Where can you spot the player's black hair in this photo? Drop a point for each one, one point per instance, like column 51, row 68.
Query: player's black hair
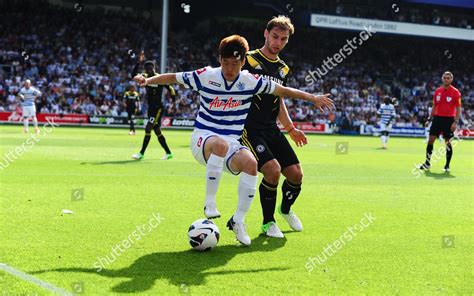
column 233, row 46
column 149, row 64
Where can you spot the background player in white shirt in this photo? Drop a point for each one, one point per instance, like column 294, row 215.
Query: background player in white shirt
column 387, row 114
column 28, row 95
column 225, row 98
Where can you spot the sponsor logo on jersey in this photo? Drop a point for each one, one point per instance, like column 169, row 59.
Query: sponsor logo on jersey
column 214, row 83
column 229, row 104
column 279, row 81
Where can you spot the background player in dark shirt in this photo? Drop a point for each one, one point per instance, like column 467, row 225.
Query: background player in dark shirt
column 272, row 150
column 153, row 96
column 132, row 101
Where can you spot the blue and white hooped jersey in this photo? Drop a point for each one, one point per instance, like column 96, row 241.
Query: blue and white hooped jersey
column 29, row 96
column 387, row 113
column 224, row 107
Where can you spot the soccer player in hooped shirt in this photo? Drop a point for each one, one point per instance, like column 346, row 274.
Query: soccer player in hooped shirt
column 225, row 97
column 387, row 114
column 28, row 95
column 444, row 118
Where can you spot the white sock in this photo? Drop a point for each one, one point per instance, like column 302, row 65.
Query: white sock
column 386, row 139
column 25, row 124
column 247, row 189
column 214, row 167
column 35, row 122
column 383, row 139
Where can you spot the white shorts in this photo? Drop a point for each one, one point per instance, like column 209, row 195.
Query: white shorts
column 198, row 140
column 385, row 127
column 28, row 111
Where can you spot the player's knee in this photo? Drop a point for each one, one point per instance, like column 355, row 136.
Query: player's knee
column 431, row 140
column 271, row 172
column 250, row 166
column 295, row 174
column 220, row 148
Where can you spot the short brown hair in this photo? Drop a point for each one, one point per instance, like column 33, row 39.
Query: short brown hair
column 282, row 22
column 233, row 46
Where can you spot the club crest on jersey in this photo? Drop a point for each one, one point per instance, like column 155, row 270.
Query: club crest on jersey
column 241, row 85
column 282, row 73
column 229, row 104
column 260, row 148
column 448, row 99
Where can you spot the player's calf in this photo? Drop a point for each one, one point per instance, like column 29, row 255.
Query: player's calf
column 268, row 194
column 243, row 161
column 215, row 149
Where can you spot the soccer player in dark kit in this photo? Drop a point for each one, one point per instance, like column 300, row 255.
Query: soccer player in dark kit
column 153, row 96
column 274, row 154
column 132, row 102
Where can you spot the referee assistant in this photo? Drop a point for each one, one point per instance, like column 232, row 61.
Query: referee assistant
column 445, row 116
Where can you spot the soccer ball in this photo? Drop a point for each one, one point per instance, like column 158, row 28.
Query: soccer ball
column 203, row 235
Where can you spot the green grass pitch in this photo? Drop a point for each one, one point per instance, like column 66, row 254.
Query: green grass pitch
column 419, row 241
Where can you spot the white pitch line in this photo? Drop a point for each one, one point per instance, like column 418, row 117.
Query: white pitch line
column 32, row 279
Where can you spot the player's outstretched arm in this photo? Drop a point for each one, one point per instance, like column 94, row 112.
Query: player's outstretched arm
column 321, row 101
column 167, row 78
column 296, row 135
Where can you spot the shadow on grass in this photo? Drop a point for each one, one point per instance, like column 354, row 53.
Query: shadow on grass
column 444, row 175
column 181, row 269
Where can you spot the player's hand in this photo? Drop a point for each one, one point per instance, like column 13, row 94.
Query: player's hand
column 140, row 79
column 142, row 56
column 298, row 137
column 427, row 123
column 323, row 101
column 453, row 126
